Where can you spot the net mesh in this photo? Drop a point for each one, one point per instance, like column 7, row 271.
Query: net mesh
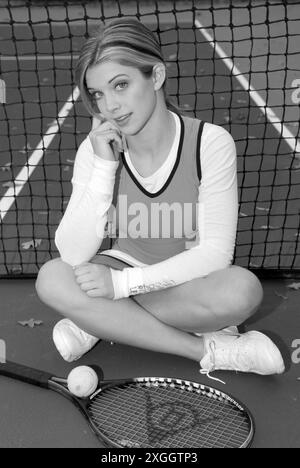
column 232, row 63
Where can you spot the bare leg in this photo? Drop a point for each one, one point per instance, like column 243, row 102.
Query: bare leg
column 123, row 321
column 223, row 298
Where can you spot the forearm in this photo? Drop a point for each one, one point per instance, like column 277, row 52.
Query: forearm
column 186, row 266
column 82, row 227
column 81, row 232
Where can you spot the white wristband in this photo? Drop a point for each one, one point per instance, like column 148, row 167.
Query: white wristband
column 120, row 283
column 127, row 282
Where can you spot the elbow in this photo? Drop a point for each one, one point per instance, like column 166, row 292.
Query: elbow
column 71, row 251
column 57, row 241
column 62, row 248
column 220, row 258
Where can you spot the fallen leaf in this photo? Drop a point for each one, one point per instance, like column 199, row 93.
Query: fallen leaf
column 280, row 295
column 295, row 286
column 8, row 184
column 270, row 227
column 30, row 323
column 26, row 148
column 241, row 116
column 31, row 244
column 6, row 167
column 16, row 269
column 11, row 184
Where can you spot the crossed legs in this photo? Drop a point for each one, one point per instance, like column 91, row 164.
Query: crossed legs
column 160, row 321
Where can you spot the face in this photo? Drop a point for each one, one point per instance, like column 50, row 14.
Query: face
column 123, row 94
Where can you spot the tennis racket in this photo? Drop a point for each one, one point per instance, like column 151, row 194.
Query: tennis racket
column 154, row 412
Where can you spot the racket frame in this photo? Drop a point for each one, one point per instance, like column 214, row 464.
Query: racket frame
column 46, row 380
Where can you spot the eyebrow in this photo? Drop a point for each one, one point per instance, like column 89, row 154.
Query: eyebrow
column 120, row 74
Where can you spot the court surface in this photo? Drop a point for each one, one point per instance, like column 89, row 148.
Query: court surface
column 33, row 417
column 269, row 210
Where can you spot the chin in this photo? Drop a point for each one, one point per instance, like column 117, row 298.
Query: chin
column 135, row 129
column 131, row 130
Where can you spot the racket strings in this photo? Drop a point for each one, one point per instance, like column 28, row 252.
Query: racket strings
column 119, row 414
column 143, row 415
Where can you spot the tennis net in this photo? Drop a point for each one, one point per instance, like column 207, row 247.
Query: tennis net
column 232, row 63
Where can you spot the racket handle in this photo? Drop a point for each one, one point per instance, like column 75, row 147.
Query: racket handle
column 25, row 374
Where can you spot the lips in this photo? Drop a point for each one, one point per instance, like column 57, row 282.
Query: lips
column 122, row 119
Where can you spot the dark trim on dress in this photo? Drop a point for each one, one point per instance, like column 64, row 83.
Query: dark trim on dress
column 176, row 164
column 198, row 153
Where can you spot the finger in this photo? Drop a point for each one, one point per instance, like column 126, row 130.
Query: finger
column 109, row 136
column 109, row 132
column 81, row 265
column 94, row 293
column 117, row 147
column 103, row 125
column 97, row 121
column 84, row 279
column 87, row 286
column 81, row 271
column 113, row 138
column 107, row 124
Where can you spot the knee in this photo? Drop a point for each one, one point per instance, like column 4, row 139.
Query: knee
column 248, row 292
column 48, row 279
column 243, row 294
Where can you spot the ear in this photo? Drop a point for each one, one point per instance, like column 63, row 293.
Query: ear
column 158, row 75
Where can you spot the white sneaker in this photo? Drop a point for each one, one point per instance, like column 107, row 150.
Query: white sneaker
column 70, row 341
column 248, row 352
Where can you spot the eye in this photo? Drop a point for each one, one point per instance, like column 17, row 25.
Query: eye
column 122, row 85
column 96, row 95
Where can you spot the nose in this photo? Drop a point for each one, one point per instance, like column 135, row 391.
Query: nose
column 111, row 104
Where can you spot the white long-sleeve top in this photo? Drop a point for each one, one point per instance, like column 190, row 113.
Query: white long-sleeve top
column 81, row 230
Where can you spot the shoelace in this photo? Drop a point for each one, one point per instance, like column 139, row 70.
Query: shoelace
column 212, row 347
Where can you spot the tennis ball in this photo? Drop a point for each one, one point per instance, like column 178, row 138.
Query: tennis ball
column 82, row 381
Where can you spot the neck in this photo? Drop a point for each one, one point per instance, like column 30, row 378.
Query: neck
column 157, row 134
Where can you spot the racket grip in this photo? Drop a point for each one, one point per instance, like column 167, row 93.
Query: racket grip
column 25, row 374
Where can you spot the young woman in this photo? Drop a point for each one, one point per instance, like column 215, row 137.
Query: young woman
column 167, row 283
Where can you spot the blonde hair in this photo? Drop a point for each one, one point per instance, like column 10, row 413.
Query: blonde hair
column 126, row 41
